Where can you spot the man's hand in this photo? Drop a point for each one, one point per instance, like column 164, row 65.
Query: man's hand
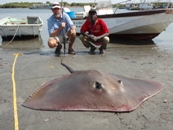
column 63, row 24
column 94, row 38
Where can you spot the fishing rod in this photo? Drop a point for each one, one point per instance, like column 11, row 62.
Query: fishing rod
column 64, row 37
column 94, row 4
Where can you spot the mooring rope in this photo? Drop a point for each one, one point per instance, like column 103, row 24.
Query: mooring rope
column 16, row 124
column 13, row 36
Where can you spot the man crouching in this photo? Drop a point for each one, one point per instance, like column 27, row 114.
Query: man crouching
column 60, row 24
column 94, row 33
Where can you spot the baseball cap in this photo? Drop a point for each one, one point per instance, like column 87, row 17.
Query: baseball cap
column 92, row 11
column 56, row 5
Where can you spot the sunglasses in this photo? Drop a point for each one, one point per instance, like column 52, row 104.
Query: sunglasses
column 56, row 5
column 56, row 8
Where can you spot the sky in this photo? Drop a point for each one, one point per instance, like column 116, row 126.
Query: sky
column 44, row 1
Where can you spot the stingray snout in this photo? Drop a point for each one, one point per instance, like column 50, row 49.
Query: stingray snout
column 98, row 85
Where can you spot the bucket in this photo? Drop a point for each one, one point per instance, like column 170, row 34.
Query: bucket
column 71, row 14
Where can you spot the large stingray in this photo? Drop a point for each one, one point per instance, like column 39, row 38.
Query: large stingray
column 92, row 90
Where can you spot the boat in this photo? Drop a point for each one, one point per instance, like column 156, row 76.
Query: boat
column 13, row 27
column 142, row 24
column 40, row 6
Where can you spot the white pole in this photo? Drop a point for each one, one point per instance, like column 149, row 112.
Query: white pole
column 64, row 38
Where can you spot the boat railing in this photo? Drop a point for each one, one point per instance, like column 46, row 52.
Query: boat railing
column 104, row 7
column 13, row 21
column 84, row 13
column 170, row 2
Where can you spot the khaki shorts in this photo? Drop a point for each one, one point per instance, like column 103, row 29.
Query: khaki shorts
column 59, row 38
column 87, row 41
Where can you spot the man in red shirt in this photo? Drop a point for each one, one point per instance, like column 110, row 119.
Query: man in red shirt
column 94, row 33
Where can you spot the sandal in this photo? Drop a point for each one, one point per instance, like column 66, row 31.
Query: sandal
column 58, row 49
column 71, row 51
column 101, row 50
column 92, row 50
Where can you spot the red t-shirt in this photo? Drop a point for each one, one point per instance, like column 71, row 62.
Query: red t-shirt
column 98, row 29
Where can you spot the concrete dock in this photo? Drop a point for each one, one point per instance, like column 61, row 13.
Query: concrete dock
column 36, row 65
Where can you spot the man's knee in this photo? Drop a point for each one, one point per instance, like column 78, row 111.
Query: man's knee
column 106, row 39
column 52, row 42
column 84, row 41
column 81, row 37
column 71, row 33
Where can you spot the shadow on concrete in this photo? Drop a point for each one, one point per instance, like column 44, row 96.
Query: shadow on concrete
column 131, row 42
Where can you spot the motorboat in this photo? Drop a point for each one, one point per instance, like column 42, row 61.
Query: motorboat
column 13, row 26
column 141, row 24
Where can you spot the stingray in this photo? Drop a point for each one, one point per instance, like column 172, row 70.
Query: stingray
column 92, row 90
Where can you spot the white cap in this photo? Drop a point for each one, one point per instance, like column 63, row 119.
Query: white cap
column 56, row 5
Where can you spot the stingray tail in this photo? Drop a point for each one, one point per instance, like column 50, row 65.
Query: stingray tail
column 70, row 69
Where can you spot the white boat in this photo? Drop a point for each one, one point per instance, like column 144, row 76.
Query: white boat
column 12, row 26
column 145, row 24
